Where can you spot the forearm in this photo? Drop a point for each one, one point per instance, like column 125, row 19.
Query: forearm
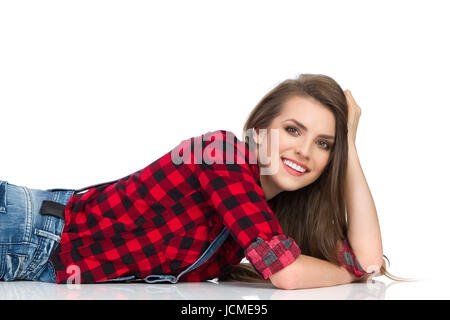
column 309, row 272
column 364, row 233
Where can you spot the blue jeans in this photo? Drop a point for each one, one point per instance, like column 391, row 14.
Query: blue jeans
column 28, row 238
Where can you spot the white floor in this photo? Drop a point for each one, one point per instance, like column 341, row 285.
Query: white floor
column 373, row 290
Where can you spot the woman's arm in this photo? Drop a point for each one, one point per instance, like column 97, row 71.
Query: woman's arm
column 363, row 233
column 309, row 272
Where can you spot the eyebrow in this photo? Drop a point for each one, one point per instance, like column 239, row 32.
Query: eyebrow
column 325, row 136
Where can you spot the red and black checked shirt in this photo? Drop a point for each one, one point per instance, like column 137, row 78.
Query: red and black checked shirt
column 160, row 219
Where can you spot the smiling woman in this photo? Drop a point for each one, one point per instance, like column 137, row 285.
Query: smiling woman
column 308, row 194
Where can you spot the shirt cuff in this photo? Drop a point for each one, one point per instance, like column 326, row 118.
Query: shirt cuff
column 270, row 256
column 348, row 260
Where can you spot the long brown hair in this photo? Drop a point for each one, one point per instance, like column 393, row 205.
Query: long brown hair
column 313, row 216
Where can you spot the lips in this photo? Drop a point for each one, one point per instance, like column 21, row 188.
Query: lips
column 298, row 163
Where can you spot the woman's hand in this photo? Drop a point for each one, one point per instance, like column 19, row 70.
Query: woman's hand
column 354, row 112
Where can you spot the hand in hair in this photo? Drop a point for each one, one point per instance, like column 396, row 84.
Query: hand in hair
column 354, row 113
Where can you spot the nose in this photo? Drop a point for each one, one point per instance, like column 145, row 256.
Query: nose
column 303, row 149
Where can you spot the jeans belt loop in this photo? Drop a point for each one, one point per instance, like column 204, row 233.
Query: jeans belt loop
column 3, row 188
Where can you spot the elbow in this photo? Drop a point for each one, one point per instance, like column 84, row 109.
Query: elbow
column 283, row 285
column 289, row 277
column 283, row 280
column 372, row 264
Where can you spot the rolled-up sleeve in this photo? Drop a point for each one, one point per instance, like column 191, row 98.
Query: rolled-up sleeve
column 348, row 260
column 270, row 256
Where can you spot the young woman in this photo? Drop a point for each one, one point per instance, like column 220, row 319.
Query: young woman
column 280, row 199
column 329, row 207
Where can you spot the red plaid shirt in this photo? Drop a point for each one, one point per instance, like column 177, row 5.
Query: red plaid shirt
column 160, row 219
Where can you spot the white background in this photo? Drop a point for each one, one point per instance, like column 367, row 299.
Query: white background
column 91, row 91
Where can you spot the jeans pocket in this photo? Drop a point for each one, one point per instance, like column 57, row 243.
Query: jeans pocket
column 15, row 266
column 48, row 235
column 14, row 260
column 48, row 241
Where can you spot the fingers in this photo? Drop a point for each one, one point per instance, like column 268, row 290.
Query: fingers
column 349, row 96
column 351, row 101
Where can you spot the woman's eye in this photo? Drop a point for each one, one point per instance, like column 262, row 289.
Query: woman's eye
column 293, row 129
column 325, row 145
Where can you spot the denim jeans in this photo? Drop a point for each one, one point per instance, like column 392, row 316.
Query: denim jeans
column 28, row 238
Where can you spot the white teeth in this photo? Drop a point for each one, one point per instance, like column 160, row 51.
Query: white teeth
column 294, row 166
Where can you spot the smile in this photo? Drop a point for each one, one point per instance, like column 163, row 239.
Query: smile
column 293, row 168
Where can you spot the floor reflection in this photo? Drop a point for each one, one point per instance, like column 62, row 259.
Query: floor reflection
column 371, row 290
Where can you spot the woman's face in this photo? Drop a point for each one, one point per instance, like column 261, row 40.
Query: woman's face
column 306, row 131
